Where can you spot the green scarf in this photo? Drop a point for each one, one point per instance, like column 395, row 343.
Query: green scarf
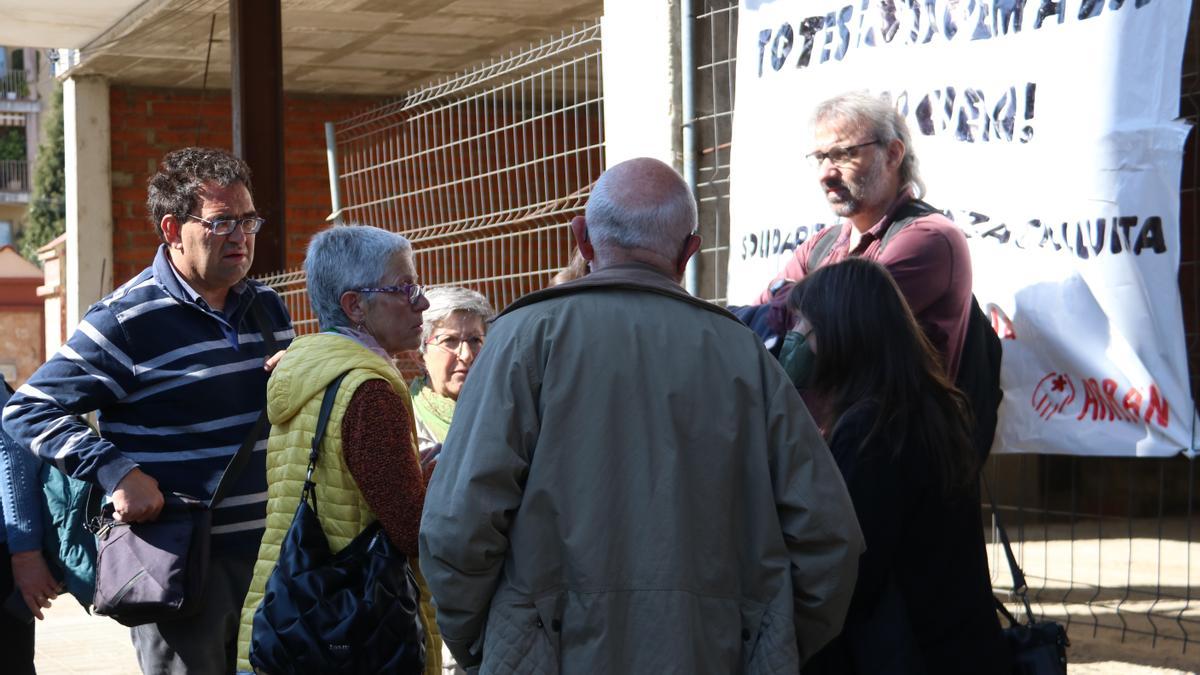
column 433, row 409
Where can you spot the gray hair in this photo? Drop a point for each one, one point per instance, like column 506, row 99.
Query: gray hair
column 446, row 300
column 345, row 257
column 659, row 225
column 881, row 118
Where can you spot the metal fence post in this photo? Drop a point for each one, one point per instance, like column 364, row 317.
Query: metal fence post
column 687, row 23
column 335, row 189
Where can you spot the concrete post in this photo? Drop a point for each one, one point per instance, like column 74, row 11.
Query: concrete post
column 53, row 256
column 89, row 193
column 642, row 116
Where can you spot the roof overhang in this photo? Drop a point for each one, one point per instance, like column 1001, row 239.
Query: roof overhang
column 68, row 24
column 368, row 47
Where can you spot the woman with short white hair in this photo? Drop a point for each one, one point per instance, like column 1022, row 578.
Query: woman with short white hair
column 453, row 333
column 362, row 282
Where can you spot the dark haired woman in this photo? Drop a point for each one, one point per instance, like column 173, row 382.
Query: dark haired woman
column 900, row 433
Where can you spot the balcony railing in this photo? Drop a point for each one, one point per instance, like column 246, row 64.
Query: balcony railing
column 14, row 175
column 13, row 85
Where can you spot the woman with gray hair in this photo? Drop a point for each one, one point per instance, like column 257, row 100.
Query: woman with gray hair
column 362, row 282
column 453, row 334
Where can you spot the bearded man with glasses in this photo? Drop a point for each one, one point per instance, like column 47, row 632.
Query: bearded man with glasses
column 864, row 161
column 173, row 361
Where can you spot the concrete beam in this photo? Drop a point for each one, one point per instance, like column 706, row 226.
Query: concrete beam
column 640, row 41
column 86, row 131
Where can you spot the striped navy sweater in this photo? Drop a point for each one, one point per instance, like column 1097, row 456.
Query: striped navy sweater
column 177, row 386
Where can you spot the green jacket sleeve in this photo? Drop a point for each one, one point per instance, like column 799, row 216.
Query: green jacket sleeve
column 817, row 518
column 477, row 487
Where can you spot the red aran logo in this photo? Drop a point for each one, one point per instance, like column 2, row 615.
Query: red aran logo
column 1053, row 393
column 1103, row 401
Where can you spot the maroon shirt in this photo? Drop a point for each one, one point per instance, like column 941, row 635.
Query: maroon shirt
column 931, row 264
column 378, row 449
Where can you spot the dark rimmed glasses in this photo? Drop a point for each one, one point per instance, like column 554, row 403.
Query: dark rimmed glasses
column 839, row 155
column 411, row 291
column 226, row 225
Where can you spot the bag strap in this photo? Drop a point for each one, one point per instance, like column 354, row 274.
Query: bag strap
column 319, row 436
column 820, row 250
column 1020, row 587
column 242, row 457
column 258, row 314
column 903, row 217
column 907, row 213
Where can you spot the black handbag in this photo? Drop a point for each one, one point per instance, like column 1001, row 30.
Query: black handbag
column 155, row 571
column 1037, row 647
column 356, row 611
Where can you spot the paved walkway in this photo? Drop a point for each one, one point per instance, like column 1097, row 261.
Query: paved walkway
column 70, row 642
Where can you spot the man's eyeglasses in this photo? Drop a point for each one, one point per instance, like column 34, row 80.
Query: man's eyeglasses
column 411, row 291
column 222, row 226
column 453, row 344
column 838, row 155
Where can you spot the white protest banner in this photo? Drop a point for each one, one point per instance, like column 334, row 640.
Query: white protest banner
column 1047, row 131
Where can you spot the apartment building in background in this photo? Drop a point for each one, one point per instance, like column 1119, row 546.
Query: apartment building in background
column 26, row 83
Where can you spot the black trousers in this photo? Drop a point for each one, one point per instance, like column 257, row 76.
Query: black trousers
column 16, row 634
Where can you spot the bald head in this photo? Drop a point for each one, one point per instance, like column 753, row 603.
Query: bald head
column 640, row 204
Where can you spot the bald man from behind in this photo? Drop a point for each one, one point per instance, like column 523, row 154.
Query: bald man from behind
column 631, row 484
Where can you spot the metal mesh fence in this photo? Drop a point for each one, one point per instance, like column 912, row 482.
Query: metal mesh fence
column 482, row 170
column 715, row 54
column 1104, row 542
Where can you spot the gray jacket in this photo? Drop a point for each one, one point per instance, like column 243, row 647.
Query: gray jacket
column 631, row 484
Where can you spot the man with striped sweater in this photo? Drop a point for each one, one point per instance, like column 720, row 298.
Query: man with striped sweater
column 175, row 365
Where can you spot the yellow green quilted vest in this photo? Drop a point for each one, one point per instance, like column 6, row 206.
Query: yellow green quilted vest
column 294, row 395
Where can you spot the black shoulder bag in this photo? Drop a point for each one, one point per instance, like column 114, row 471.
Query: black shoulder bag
column 155, row 571
column 1037, row 647
column 356, row 611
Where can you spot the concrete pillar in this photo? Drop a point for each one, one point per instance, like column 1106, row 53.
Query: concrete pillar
column 53, row 256
column 89, row 193
column 642, row 116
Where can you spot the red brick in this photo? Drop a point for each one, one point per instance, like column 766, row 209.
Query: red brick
column 124, row 134
column 188, row 108
column 129, row 194
column 148, row 123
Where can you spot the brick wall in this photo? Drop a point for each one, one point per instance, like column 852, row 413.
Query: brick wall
column 148, row 123
column 20, row 343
